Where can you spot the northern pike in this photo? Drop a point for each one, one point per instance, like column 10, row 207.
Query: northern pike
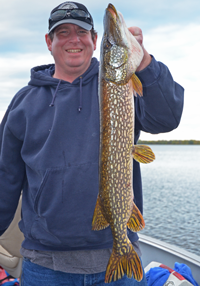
column 120, row 56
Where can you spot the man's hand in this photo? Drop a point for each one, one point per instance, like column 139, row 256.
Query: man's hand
column 137, row 33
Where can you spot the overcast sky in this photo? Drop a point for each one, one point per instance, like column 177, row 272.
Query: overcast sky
column 171, row 31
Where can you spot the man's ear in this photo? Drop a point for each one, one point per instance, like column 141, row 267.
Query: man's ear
column 48, row 42
column 95, row 42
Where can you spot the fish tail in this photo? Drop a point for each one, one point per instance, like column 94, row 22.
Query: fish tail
column 129, row 263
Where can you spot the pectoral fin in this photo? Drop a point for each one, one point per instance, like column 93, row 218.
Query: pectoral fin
column 99, row 222
column 136, row 220
column 143, row 154
column 137, row 85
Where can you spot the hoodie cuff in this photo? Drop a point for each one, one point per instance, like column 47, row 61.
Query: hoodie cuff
column 149, row 74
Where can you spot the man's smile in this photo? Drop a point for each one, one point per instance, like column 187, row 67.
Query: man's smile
column 74, row 50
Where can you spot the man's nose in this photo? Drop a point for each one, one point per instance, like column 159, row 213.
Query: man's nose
column 74, row 37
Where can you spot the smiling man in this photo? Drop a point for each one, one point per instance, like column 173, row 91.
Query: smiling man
column 49, row 149
column 71, row 40
column 72, row 47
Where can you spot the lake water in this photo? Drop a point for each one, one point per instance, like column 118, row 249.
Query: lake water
column 171, row 190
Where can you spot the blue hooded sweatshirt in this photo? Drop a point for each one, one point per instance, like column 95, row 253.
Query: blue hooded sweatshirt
column 49, row 148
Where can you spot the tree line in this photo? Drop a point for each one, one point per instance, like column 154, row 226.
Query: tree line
column 170, row 142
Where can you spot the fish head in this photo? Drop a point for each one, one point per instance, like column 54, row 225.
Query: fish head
column 120, row 54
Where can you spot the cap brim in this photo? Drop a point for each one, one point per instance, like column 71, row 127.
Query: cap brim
column 79, row 23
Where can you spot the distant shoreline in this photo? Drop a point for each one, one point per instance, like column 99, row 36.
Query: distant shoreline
column 170, row 142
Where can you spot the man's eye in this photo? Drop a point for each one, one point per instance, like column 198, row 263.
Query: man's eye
column 82, row 31
column 63, row 32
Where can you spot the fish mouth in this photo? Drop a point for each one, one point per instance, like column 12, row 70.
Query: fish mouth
column 111, row 9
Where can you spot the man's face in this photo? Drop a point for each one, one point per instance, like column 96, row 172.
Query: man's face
column 72, row 48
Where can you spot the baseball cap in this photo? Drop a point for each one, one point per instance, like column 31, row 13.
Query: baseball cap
column 73, row 13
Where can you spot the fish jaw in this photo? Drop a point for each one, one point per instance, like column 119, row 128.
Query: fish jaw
column 120, row 50
column 112, row 10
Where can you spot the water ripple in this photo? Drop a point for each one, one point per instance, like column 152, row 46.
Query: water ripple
column 171, row 188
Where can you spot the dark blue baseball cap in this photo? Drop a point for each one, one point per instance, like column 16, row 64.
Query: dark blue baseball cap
column 73, row 13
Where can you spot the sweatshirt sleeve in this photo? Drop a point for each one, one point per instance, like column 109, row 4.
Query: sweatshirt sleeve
column 160, row 108
column 11, row 173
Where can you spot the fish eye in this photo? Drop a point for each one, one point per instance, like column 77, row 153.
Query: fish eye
column 107, row 44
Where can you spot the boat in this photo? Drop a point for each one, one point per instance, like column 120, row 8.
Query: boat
column 155, row 253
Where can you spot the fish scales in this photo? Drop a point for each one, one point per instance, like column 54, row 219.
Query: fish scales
column 120, row 56
column 116, row 163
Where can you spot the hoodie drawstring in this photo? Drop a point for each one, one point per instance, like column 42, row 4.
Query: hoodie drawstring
column 81, row 94
column 54, row 96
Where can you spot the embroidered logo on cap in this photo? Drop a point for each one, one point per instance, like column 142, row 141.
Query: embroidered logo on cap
column 69, row 5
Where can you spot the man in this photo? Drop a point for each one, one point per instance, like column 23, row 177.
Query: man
column 49, row 149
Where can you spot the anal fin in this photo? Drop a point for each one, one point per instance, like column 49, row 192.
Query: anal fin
column 143, row 154
column 136, row 220
column 99, row 222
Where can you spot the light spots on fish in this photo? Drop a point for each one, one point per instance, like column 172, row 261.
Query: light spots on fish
column 116, row 159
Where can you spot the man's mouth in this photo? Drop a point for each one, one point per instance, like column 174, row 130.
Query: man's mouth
column 74, row 51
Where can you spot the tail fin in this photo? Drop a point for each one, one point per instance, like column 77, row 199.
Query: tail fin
column 128, row 263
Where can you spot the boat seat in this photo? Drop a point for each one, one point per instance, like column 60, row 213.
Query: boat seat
column 10, row 244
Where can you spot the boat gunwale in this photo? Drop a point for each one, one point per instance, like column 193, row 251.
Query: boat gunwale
column 170, row 248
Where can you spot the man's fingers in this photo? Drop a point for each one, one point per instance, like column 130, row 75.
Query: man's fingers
column 135, row 30
column 137, row 33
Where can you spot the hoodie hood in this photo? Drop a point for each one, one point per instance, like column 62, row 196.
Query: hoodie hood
column 43, row 75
